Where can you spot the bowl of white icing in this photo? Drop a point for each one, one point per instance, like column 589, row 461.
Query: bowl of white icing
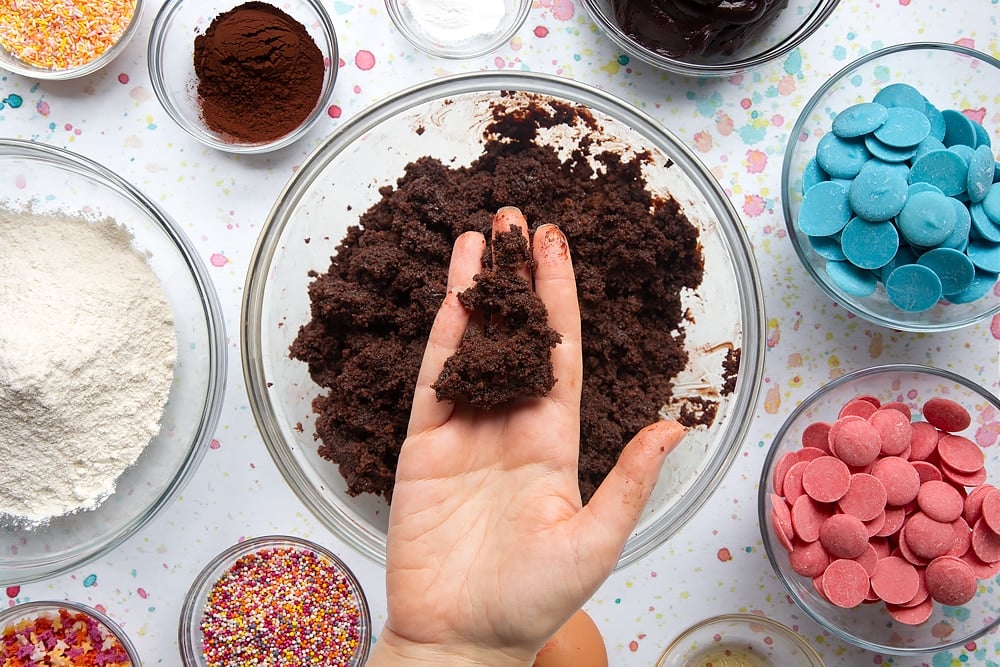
column 458, row 29
column 112, row 360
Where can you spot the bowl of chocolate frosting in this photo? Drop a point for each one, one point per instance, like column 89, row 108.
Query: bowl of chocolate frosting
column 708, row 37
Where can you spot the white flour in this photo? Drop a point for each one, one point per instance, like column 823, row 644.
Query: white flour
column 456, row 21
column 87, row 351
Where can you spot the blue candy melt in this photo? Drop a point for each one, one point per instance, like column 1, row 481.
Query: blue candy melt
column 982, row 136
column 942, row 168
column 879, row 191
column 913, row 288
column 959, row 237
column 938, row 127
column 851, row 279
column 901, row 95
column 985, row 228
column 888, row 153
column 904, row 255
column 980, row 177
column 981, row 285
column 904, row 127
column 827, row 247
column 927, row 219
column 859, row 119
column 953, row 268
column 927, row 145
column 812, row 174
column 869, row 245
column 841, row 158
column 991, row 203
column 985, row 255
column 958, row 129
column 825, row 209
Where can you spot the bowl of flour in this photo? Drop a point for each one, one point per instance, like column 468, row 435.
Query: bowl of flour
column 112, row 360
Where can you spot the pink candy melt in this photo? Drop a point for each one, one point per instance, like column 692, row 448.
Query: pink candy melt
column 875, row 507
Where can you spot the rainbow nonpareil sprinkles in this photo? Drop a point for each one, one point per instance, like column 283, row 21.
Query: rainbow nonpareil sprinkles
column 283, row 606
column 59, row 34
column 68, row 638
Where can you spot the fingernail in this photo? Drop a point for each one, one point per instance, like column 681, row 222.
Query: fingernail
column 553, row 243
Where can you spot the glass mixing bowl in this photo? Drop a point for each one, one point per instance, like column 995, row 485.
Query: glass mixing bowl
column 739, row 639
column 446, row 118
column 870, row 626
column 49, row 180
column 951, row 77
column 791, row 27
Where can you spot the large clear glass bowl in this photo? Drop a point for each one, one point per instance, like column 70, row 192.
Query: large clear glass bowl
column 50, row 180
column 791, row 27
column 739, row 639
column 870, row 626
column 948, row 75
column 445, row 118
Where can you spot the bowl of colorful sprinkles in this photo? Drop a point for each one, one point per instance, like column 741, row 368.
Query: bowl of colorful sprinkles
column 275, row 600
column 48, row 39
column 243, row 76
column 880, row 512
column 890, row 187
column 51, row 634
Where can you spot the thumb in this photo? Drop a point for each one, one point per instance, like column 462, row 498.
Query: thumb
column 603, row 526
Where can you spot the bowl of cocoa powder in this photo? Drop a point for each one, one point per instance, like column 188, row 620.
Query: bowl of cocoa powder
column 351, row 265
column 243, row 77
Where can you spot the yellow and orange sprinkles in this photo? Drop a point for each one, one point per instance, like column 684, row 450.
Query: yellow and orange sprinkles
column 60, row 34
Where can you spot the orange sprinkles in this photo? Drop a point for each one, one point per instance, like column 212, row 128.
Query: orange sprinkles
column 61, row 34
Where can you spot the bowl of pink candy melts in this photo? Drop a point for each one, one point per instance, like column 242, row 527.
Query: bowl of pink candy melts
column 879, row 507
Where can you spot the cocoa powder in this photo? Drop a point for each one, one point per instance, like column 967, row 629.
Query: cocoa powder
column 259, row 72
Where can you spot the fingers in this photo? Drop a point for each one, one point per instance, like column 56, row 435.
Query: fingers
column 609, row 518
column 555, row 285
column 506, row 219
column 446, row 334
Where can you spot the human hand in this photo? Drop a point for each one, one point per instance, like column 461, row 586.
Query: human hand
column 489, row 548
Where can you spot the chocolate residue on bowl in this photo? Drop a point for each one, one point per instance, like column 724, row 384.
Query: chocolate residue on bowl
column 372, row 310
column 506, row 351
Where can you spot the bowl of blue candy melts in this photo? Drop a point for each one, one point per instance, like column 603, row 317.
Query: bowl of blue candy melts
column 890, row 187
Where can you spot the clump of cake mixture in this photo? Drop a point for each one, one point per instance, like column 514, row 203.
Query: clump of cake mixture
column 372, row 310
column 506, row 351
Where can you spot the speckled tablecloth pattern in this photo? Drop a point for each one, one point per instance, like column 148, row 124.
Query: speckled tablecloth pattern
column 737, row 126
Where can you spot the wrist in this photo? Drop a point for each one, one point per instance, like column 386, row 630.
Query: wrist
column 391, row 649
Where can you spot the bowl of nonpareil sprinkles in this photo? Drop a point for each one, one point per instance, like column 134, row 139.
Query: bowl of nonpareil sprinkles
column 60, row 39
column 112, row 360
column 243, row 77
column 275, row 600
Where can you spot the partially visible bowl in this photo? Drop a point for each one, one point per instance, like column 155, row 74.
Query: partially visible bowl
column 950, row 77
column 308, row 580
column 739, row 639
column 175, row 82
column 447, row 119
column 870, row 626
column 50, row 180
column 792, row 26
column 122, row 25
column 434, row 30
column 79, row 625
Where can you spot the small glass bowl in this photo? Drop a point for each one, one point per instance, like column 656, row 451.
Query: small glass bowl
column 790, row 28
column 10, row 62
column 171, row 66
column 190, row 635
column 53, row 180
column 869, row 626
column 447, row 118
column 949, row 76
column 27, row 612
column 456, row 42
column 739, row 639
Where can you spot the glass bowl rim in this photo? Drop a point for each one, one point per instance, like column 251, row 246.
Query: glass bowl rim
column 155, row 53
column 26, row 608
column 216, row 345
column 87, row 68
column 845, row 300
column 746, row 619
column 210, row 573
column 474, row 49
column 764, row 484
column 806, row 28
column 744, row 265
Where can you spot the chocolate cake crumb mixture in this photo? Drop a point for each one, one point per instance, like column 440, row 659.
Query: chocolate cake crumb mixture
column 373, row 308
column 506, row 351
